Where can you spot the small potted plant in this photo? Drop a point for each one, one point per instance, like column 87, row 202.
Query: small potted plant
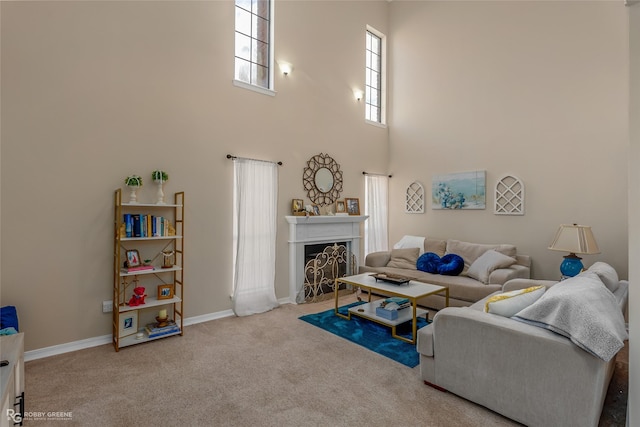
column 134, row 182
column 159, row 177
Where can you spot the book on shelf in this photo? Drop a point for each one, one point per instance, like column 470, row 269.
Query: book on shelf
column 138, row 268
column 141, row 225
column 137, row 227
column 128, row 225
column 397, row 300
column 153, row 330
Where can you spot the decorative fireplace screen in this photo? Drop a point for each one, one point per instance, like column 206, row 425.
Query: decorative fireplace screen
column 321, row 270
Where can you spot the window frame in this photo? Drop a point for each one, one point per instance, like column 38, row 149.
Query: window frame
column 271, row 62
column 382, row 91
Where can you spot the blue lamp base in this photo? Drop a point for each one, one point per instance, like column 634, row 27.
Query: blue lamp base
column 571, row 266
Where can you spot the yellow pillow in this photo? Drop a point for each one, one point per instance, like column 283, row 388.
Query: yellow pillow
column 509, row 303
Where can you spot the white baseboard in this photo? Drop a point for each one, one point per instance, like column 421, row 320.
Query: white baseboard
column 66, row 348
column 106, row 339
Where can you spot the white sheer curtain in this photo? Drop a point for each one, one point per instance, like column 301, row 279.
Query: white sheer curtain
column 255, row 194
column 376, row 206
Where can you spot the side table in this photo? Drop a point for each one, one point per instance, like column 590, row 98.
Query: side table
column 12, row 379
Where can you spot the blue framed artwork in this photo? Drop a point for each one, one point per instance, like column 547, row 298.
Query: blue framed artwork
column 461, row 190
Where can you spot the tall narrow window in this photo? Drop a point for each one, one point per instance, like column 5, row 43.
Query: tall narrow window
column 375, row 77
column 253, row 53
column 376, row 189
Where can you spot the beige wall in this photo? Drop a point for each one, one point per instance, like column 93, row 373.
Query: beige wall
column 534, row 89
column 634, row 212
column 107, row 89
column 95, row 91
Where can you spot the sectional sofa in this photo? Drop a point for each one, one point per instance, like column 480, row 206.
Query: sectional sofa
column 551, row 370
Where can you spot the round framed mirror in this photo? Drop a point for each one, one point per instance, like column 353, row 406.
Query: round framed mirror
column 322, row 179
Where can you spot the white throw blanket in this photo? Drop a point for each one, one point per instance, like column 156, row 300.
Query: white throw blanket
column 585, row 311
column 410, row 242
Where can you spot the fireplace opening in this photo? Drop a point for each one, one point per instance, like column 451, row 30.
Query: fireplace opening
column 323, row 264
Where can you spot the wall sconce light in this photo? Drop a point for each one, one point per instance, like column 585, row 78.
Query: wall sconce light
column 357, row 93
column 285, row 67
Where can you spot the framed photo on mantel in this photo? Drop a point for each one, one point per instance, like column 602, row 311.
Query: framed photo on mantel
column 353, row 206
column 297, row 207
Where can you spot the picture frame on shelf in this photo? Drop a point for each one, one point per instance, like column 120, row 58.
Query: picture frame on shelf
column 165, row 291
column 297, row 207
column 316, row 210
column 353, row 206
column 133, row 258
column 128, row 324
column 340, row 206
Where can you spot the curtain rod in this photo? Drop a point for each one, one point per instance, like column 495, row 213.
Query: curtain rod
column 375, row 174
column 229, row 156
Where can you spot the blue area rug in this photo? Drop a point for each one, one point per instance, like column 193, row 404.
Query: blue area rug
column 369, row 334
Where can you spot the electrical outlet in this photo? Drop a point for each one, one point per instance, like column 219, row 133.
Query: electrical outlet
column 107, row 306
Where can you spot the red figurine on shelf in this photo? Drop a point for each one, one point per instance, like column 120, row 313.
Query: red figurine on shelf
column 138, row 297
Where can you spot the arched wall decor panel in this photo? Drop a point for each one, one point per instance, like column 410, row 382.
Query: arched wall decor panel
column 414, row 198
column 509, row 198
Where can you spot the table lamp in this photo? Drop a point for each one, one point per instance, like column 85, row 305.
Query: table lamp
column 575, row 239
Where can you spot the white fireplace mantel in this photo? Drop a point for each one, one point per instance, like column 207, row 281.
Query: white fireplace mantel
column 311, row 230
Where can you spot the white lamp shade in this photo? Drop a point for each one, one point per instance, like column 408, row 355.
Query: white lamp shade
column 576, row 239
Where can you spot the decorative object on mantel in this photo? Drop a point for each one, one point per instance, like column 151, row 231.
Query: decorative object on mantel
column 341, row 208
column 575, row 239
column 414, row 198
column 159, row 177
column 462, row 190
column 509, row 198
column 353, row 206
column 322, row 179
column 297, row 207
column 134, row 182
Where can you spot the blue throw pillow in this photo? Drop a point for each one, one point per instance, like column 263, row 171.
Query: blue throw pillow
column 8, row 317
column 428, row 262
column 451, row 265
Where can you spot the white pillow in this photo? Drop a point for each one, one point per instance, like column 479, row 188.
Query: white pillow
column 607, row 274
column 486, row 263
column 509, row 303
column 410, row 242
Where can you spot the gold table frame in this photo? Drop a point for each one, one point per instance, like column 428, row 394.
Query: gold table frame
column 413, row 291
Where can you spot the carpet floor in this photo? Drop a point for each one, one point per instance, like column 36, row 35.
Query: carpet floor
column 263, row 370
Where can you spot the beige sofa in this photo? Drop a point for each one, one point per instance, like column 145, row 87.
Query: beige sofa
column 525, row 372
column 463, row 289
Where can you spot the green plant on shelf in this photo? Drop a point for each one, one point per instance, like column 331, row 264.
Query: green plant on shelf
column 159, row 175
column 133, row 181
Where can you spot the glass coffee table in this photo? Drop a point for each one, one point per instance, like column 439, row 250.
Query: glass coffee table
column 412, row 290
